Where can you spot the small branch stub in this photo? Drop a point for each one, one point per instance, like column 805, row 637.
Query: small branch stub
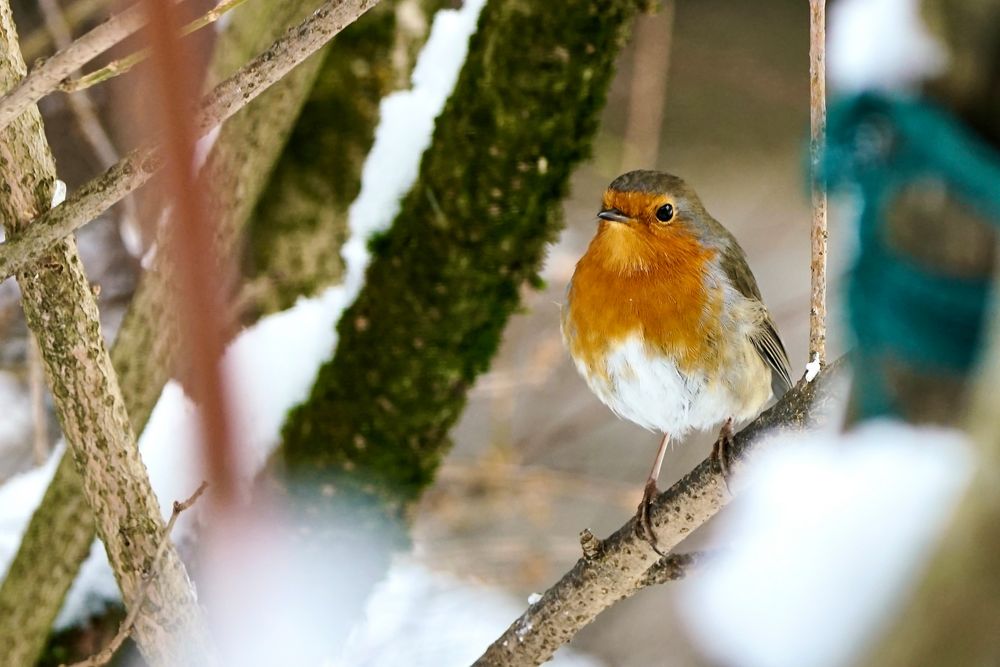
column 589, row 543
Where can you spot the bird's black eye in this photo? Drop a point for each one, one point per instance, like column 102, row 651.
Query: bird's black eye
column 665, row 213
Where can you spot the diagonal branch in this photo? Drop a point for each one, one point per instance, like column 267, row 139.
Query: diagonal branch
column 105, row 655
column 624, row 563
column 93, row 198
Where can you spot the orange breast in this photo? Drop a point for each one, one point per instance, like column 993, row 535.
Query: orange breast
column 625, row 286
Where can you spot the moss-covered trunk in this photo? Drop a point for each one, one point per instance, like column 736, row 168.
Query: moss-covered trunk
column 295, row 233
column 446, row 277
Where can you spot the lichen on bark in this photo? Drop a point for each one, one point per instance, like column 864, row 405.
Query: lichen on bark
column 61, row 310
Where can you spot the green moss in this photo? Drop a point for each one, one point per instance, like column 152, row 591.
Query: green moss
column 300, row 222
column 471, row 232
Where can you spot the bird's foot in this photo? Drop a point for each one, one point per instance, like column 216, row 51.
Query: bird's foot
column 721, row 453
column 643, row 523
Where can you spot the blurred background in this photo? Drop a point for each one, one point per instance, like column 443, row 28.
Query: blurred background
column 534, row 441
column 537, row 458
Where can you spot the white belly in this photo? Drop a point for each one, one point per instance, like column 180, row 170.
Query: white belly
column 651, row 391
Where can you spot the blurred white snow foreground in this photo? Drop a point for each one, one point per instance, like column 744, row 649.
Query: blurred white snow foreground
column 829, row 533
column 418, row 617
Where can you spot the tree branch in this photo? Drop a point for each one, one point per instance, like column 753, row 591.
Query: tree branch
column 61, row 311
column 624, row 563
column 104, row 656
column 61, row 530
column 817, row 141
column 46, row 76
column 122, row 65
column 96, row 196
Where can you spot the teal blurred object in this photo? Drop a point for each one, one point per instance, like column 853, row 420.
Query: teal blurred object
column 898, row 308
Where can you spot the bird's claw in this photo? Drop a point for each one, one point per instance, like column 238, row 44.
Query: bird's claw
column 721, row 454
column 644, row 524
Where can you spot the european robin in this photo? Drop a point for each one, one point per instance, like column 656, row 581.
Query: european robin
column 664, row 319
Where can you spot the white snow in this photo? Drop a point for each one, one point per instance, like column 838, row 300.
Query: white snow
column 422, row 618
column 830, row 533
column 534, row 597
column 272, row 364
column 19, row 496
column 812, row 368
column 15, row 406
column 58, row 193
column 881, row 45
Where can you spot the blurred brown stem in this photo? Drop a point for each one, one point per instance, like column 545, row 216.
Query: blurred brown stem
column 191, row 246
column 817, row 140
column 104, row 656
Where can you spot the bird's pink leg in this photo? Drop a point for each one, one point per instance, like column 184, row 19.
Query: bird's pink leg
column 720, row 451
column 644, row 525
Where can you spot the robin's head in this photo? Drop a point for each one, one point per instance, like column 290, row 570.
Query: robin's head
column 648, row 218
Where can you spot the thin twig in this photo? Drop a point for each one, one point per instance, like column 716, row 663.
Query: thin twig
column 46, row 75
column 123, row 65
column 620, row 565
column 104, row 656
column 79, row 105
column 817, row 141
column 39, row 41
column 93, row 198
column 190, row 242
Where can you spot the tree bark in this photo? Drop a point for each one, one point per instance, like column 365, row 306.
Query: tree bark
column 61, row 310
column 471, row 232
column 300, row 222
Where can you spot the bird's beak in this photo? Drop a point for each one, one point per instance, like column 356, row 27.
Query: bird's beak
column 614, row 215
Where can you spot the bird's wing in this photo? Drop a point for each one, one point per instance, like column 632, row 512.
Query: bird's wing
column 765, row 339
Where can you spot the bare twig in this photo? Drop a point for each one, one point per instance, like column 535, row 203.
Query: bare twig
column 104, row 656
column 648, row 88
column 123, row 65
column 620, row 565
column 817, row 141
column 79, row 105
column 96, row 196
column 39, row 41
column 45, row 77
